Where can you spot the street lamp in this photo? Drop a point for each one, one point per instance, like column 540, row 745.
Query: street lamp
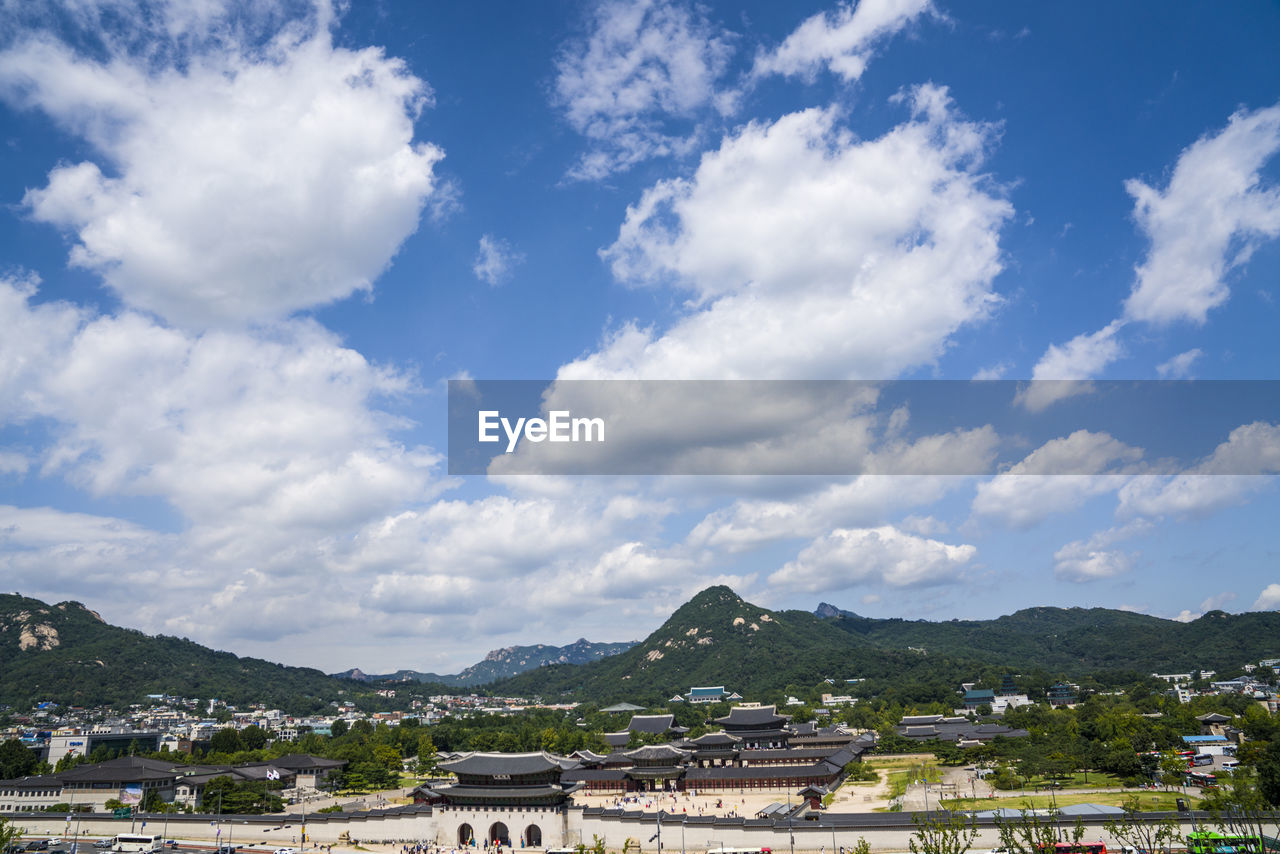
column 658, row 835
column 791, row 830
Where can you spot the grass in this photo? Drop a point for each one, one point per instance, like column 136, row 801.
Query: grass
column 867, row 768
column 1149, row 801
column 903, row 776
column 901, row 761
column 1077, row 780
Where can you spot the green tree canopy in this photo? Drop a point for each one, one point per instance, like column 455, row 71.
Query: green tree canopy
column 16, row 760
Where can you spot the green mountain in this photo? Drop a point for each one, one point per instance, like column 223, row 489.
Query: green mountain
column 503, row 663
column 719, row 639
column 1080, row 640
column 67, row 654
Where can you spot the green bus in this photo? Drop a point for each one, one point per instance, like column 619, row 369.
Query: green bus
column 1204, row 842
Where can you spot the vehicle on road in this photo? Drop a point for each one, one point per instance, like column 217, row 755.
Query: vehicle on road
column 136, row 843
column 1204, row 842
column 102, row 843
column 286, row 851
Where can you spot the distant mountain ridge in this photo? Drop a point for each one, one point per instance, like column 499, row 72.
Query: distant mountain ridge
column 503, row 663
column 717, row 638
column 67, row 654
column 1074, row 640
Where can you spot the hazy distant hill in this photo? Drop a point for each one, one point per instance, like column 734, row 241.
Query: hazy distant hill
column 504, row 663
column 67, row 654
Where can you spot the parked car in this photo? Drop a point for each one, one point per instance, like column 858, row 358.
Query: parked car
column 172, row 843
column 286, row 851
column 102, row 843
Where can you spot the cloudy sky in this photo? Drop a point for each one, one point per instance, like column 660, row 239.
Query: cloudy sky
column 245, row 246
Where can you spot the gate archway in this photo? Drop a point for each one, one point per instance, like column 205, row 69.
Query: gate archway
column 466, row 835
column 498, row 834
column 533, row 836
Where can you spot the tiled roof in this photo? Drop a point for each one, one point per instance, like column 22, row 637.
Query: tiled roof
column 758, row 717
column 515, row 764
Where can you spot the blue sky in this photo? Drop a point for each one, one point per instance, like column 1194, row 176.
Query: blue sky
column 246, row 245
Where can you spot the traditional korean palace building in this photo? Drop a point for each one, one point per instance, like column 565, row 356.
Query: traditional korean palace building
column 504, row 779
column 515, row 799
column 752, row 751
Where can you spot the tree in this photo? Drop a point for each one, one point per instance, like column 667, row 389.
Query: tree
column 1241, row 809
column 226, row 740
column 1029, row 833
column 253, row 737
column 9, row 834
column 1143, row 834
column 338, row 728
column 942, row 832
column 152, row 802
column 428, row 756
column 225, row 795
column 1268, row 767
column 1172, row 767
column 16, row 760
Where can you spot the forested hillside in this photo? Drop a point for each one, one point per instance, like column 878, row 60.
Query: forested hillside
column 719, row 639
column 67, row 654
column 1080, row 640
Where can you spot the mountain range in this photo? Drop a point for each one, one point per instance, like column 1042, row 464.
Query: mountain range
column 502, row 663
column 717, row 638
column 67, row 654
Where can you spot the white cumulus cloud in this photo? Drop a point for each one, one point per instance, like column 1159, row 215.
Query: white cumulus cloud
column 841, row 41
column 1179, row 367
column 1242, row 466
column 1268, row 599
column 1209, row 219
column 243, row 183
column 1094, row 559
column 1064, row 371
column 251, row 437
column 881, row 555
column 495, row 259
column 810, row 252
column 644, row 65
column 1058, row 476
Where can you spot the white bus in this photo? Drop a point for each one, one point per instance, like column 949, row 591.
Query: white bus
column 131, row 843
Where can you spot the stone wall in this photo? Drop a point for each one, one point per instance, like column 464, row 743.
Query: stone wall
column 558, row 828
